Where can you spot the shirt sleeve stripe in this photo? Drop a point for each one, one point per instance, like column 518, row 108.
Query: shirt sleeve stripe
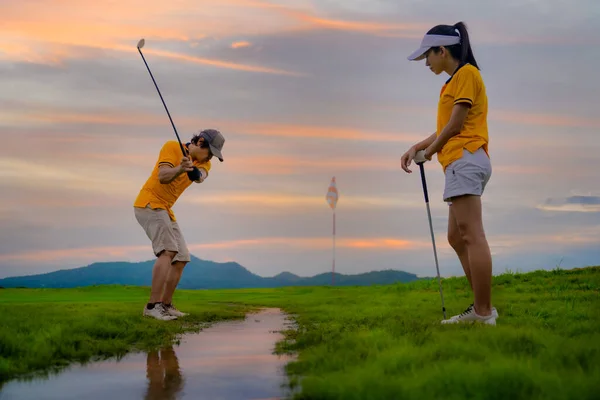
column 463, row 100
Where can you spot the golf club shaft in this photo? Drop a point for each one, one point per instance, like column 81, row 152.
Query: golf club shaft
column 437, row 267
column 163, row 101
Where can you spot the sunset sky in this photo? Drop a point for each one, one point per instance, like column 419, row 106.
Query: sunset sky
column 302, row 91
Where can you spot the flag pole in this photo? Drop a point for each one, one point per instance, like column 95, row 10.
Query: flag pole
column 333, row 266
column 332, row 198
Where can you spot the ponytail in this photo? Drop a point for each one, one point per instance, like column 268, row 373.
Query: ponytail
column 466, row 53
column 461, row 51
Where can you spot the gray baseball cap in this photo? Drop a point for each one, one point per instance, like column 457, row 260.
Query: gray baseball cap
column 215, row 142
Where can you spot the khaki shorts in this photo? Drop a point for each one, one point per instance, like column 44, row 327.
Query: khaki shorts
column 164, row 233
column 467, row 175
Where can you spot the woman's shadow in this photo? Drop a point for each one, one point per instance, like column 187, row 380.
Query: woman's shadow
column 165, row 380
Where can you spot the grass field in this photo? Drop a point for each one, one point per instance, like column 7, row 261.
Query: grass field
column 381, row 342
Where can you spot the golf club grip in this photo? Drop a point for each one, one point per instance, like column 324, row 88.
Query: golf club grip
column 183, row 150
column 422, row 168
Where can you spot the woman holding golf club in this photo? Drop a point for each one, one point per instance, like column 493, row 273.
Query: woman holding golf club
column 461, row 145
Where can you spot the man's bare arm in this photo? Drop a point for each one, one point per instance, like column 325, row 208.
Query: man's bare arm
column 168, row 174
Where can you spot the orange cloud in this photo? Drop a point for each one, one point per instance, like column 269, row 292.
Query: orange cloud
column 63, row 254
column 84, row 178
column 57, row 30
column 265, row 199
column 409, row 31
column 68, row 20
column 298, row 243
column 273, row 200
column 544, row 119
column 88, row 253
column 521, row 169
column 586, row 204
column 99, row 118
column 289, row 164
column 56, row 53
column 218, row 63
column 565, row 237
column 384, row 243
column 103, row 174
column 58, row 116
column 512, row 116
column 309, row 19
column 331, row 132
column 595, row 208
column 54, row 32
column 238, row 45
column 79, row 32
column 56, row 200
column 498, row 243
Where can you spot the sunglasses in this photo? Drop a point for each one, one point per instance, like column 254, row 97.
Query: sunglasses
column 204, row 145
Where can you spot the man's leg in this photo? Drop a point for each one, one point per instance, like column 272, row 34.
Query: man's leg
column 175, row 271
column 160, row 273
column 154, row 376
column 157, row 225
column 468, row 216
column 173, row 379
column 172, row 280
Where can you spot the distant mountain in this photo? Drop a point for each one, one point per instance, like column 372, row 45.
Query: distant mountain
column 198, row 274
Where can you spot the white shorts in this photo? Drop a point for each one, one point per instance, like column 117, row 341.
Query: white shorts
column 467, row 175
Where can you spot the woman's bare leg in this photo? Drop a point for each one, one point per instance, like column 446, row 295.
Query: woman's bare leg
column 468, row 217
column 459, row 245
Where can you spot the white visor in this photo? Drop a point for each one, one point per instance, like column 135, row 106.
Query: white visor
column 430, row 41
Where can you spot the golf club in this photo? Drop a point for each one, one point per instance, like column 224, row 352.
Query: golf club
column 421, row 160
column 193, row 175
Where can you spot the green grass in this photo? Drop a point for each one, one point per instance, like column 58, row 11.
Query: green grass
column 379, row 342
column 46, row 329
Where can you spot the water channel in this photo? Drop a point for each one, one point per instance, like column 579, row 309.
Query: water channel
column 228, row 360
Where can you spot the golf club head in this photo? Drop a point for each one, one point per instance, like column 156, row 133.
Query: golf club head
column 194, row 175
column 141, row 43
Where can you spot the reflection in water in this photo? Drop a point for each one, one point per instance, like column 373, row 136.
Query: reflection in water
column 229, row 360
column 164, row 375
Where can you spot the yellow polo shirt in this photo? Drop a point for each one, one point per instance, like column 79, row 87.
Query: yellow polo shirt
column 160, row 195
column 465, row 86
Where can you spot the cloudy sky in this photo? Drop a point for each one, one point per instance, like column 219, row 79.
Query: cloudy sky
column 303, row 91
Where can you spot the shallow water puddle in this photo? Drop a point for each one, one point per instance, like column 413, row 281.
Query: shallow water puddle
column 229, row 360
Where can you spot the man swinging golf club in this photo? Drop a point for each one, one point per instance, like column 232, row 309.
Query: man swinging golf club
column 175, row 170
column 168, row 180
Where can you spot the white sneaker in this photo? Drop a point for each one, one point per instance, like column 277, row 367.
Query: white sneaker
column 172, row 310
column 470, row 308
column 469, row 315
column 158, row 312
